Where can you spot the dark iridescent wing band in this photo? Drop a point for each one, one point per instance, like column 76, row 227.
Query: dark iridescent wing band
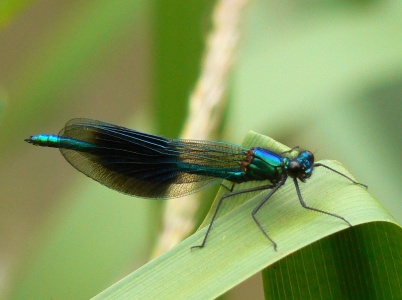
column 145, row 165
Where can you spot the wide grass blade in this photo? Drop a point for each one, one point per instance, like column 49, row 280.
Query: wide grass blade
column 236, row 248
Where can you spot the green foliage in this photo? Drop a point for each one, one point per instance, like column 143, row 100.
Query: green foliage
column 326, row 77
column 237, row 249
column 363, row 262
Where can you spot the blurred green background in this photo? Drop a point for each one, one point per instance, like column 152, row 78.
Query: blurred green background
column 325, row 75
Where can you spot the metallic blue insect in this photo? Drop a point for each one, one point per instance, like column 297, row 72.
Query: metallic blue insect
column 151, row 166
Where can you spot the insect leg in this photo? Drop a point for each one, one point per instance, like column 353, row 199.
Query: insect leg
column 337, row 172
column 304, row 204
column 257, row 208
column 226, row 196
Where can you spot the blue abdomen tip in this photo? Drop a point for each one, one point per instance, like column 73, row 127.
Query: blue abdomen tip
column 47, row 140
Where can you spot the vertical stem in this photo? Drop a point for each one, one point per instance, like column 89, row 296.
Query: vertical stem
column 205, row 110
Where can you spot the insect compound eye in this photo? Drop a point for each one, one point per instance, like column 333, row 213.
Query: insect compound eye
column 306, row 158
column 310, row 156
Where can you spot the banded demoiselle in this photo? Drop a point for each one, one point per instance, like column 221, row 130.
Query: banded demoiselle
column 150, row 166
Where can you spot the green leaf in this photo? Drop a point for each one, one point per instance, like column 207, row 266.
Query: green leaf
column 236, row 249
column 364, row 262
column 9, row 8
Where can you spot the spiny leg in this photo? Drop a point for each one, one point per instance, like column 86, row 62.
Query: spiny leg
column 226, row 196
column 304, row 204
column 257, row 208
column 337, row 172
